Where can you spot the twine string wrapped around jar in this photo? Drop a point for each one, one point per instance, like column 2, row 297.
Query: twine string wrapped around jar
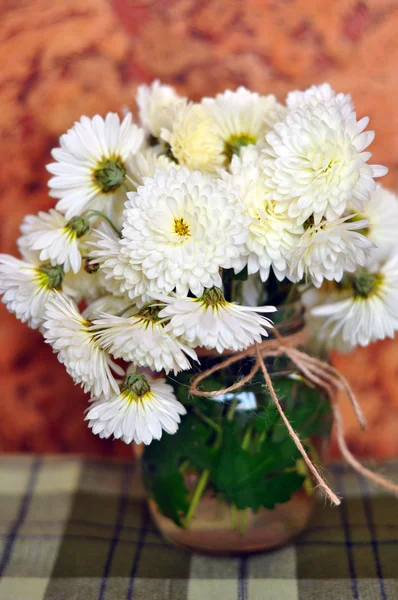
column 318, row 372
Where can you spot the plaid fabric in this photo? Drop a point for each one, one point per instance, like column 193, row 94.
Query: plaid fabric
column 74, row 529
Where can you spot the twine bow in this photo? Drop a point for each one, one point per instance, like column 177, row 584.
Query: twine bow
column 319, row 373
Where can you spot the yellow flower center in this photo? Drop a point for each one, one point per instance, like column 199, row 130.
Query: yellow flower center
column 50, row 277
column 181, row 228
column 131, row 397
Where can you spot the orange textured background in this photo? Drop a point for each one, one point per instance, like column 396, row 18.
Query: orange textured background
column 59, row 60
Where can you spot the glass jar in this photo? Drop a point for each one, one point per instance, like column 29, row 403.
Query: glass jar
column 231, row 480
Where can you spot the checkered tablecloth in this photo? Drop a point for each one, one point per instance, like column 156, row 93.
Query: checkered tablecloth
column 75, row 529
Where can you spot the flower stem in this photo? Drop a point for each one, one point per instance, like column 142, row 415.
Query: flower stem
column 197, row 495
column 97, row 213
column 184, row 466
column 207, row 420
column 232, row 408
column 247, row 438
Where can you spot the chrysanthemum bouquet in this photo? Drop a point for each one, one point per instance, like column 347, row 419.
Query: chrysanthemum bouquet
column 171, row 241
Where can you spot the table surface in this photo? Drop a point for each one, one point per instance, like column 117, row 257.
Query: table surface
column 78, row 529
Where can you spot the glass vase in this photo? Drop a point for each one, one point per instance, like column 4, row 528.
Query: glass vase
column 231, row 480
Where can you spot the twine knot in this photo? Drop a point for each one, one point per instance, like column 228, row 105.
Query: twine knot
column 318, row 372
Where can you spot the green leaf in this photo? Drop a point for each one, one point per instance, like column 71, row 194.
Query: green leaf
column 162, row 459
column 252, row 480
column 170, row 494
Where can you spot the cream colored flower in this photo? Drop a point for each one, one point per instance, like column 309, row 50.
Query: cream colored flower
column 242, row 117
column 193, row 139
column 155, row 103
column 272, row 236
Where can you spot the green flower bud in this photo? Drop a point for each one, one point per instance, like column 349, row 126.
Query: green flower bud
column 213, row 296
column 366, row 283
column 51, row 276
column 137, row 384
column 79, row 225
column 109, row 174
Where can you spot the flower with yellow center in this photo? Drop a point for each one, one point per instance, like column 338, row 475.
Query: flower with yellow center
column 328, row 250
column 272, row 236
column 68, row 332
column 143, row 340
column 193, row 140
column 242, row 118
column 141, row 412
column 370, row 312
column 27, row 287
column 315, row 164
column 211, row 322
column 90, row 167
column 55, row 238
column 381, row 213
column 180, row 228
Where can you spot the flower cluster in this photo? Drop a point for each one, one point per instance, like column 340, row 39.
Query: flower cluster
column 178, row 235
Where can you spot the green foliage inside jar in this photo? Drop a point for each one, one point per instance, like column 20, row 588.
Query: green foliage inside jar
column 236, row 447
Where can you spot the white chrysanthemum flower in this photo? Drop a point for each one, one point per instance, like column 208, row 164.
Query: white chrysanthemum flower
column 143, row 340
column 381, row 212
column 242, row 117
column 212, row 322
column 143, row 409
column 320, row 93
column 90, row 167
column 68, row 332
column 320, row 332
column 180, row 228
column 117, row 273
column 272, row 236
column 327, row 250
column 145, row 163
column 193, row 139
column 55, row 238
column 27, row 287
column 315, row 164
column 371, row 311
column 154, row 105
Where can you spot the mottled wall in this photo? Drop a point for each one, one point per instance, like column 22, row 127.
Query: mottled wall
column 61, row 59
